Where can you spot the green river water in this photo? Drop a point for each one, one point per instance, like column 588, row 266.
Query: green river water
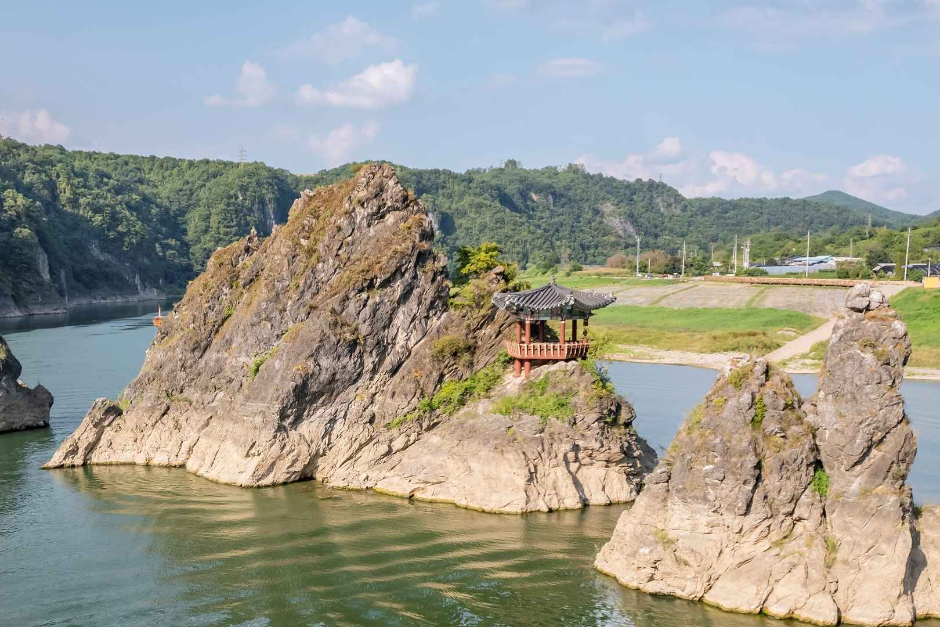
column 150, row 546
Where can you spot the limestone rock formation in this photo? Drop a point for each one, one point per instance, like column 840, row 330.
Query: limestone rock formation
column 766, row 504
column 496, row 457
column 20, row 406
column 299, row 356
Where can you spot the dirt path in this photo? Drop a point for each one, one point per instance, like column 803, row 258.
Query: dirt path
column 802, row 344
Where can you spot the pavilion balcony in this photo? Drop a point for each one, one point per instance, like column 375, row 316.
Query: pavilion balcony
column 547, row 350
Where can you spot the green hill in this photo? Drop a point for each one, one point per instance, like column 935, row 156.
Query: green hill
column 78, row 226
column 863, row 208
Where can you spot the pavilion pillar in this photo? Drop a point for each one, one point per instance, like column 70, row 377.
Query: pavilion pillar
column 541, row 330
column 517, row 363
column 586, row 329
column 528, row 340
column 574, row 330
column 561, row 334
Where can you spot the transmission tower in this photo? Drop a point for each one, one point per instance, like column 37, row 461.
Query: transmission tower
column 242, row 155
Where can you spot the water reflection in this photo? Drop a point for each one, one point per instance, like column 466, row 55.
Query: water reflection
column 144, row 546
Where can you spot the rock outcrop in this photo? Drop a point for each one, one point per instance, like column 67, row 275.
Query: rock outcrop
column 21, row 407
column 301, row 356
column 495, row 455
column 794, row 509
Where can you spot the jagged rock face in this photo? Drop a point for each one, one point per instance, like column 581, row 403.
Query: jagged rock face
column 289, row 357
column 804, row 512
column 866, row 445
column 729, row 516
column 513, row 462
column 20, row 406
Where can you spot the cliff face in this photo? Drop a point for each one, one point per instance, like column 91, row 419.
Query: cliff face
column 298, row 356
column 766, row 504
column 20, row 406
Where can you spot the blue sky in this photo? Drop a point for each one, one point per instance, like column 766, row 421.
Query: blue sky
column 724, row 98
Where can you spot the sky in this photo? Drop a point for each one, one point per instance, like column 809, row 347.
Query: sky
column 727, row 99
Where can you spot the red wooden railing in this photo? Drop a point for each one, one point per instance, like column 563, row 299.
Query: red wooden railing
column 547, row 350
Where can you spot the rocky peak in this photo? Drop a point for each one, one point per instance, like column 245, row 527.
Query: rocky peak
column 795, row 509
column 20, row 406
column 300, row 355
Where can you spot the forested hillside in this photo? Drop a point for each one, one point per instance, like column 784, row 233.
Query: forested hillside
column 863, row 208
column 573, row 215
column 78, row 226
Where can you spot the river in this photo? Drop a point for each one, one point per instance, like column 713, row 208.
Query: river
column 130, row 546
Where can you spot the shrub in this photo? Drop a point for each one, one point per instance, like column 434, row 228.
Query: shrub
column 760, row 412
column 451, row 346
column 754, row 272
column 574, row 266
column 536, row 400
column 617, row 261
column 820, row 483
column 453, row 395
column 738, row 376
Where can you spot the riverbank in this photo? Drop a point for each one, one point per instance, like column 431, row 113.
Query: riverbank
column 716, row 361
column 9, row 310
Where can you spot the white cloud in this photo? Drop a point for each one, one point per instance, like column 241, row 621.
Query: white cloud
column 662, row 160
column 626, row 27
column 36, row 127
column 569, row 68
column 340, row 42
column 721, row 173
column 878, row 165
column 253, row 88
column 377, row 86
column 341, row 142
column 424, row 9
column 879, row 179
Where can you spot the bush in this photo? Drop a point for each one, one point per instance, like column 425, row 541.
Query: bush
column 451, row 346
column 536, row 400
column 820, row 483
column 453, row 395
column 574, row 266
column 754, row 272
column 617, row 261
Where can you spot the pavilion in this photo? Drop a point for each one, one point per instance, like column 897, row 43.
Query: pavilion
column 549, row 302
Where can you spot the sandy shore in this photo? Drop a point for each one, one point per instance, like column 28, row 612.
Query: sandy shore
column 715, row 361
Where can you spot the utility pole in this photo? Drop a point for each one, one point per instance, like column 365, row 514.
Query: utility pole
column 907, row 253
column 683, row 258
column 638, row 255
column 747, row 254
column 868, row 228
column 807, row 254
column 851, row 244
column 649, row 264
column 734, row 254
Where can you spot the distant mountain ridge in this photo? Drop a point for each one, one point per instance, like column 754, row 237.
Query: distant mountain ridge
column 863, row 208
column 80, row 226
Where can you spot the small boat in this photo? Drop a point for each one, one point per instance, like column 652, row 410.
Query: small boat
column 159, row 317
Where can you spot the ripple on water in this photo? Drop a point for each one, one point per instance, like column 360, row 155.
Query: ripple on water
column 121, row 545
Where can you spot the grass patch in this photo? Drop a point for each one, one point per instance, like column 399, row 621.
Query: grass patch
column 536, row 400
column 760, row 412
column 258, row 361
column 695, row 419
column 738, row 376
column 919, row 308
column 832, row 550
column 453, row 395
column 594, row 279
column 820, row 483
column 702, row 329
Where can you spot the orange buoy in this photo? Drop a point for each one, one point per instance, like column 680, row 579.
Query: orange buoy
column 159, row 318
